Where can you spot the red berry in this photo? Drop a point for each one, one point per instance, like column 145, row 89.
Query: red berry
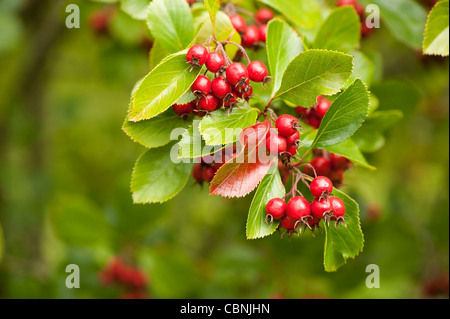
column 220, row 87
column 321, row 165
column 250, row 37
column 246, row 92
column 322, row 107
column 288, row 223
column 264, row 15
column 208, row 103
column 339, row 162
column 365, row 30
column 337, row 177
column 197, row 55
column 293, row 139
column 287, row 125
column 276, row 144
column 338, row 206
column 190, row 1
column 320, row 207
column 208, row 173
column 236, row 73
column 238, row 23
column 197, row 172
column 313, row 221
column 183, row 109
column 215, row 62
column 292, row 149
column 314, row 121
column 263, row 33
column 302, row 111
column 276, row 207
column 257, row 71
column 298, row 207
column 321, row 185
column 230, row 100
column 201, row 85
column 358, row 7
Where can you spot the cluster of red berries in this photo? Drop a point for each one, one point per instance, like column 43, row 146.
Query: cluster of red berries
column 328, row 164
column 313, row 115
column 365, row 30
column 298, row 212
column 252, row 35
column 231, row 82
column 208, row 166
column 131, row 278
column 287, row 140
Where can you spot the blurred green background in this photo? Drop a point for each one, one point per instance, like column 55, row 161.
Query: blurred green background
column 65, row 167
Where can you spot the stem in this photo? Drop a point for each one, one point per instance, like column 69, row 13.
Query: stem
column 241, row 48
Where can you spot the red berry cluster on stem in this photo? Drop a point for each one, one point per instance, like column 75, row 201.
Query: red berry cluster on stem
column 313, row 115
column 205, row 171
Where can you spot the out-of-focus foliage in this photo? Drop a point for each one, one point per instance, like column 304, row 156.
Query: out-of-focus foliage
column 65, row 166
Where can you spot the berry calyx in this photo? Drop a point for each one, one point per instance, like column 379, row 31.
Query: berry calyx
column 250, row 37
column 197, row 55
column 292, row 150
column 238, row 23
column 275, row 209
column 297, row 208
column 220, row 87
column 201, row 86
column 237, row 74
column 264, row 15
column 321, row 186
column 338, row 212
column 230, row 100
column 257, row 71
column 183, row 110
column 287, row 125
column 215, row 62
column 276, row 144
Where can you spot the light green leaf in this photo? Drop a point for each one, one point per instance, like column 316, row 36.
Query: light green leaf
column 223, row 128
column 270, row 187
column 344, row 117
column 314, row 73
column 154, row 132
column 135, row 8
column 162, row 87
column 283, row 45
column 350, row 150
column 405, row 19
column 436, row 41
column 171, row 23
column 304, row 13
column 341, row 31
column 157, row 54
column 156, row 178
column 212, row 6
column 192, row 145
column 343, row 243
column 363, row 68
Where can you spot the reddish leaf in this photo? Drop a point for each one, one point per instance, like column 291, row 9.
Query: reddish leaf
column 241, row 175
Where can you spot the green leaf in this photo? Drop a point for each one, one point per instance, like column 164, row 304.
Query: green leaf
column 2, row 245
column 135, row 8
column 343, row 243
column 192, row 145
column 350, row 150
column 156, row 131
column 313, row 73
column 212, row 6
column 157, row 54
column 162, row 87
column 78, row 222
column 363, row 68
column 156, row 177
column 405, row 19
column 436, row 32
column 222, row 128
column 344, row 117
column 304, row 13
column 171, row 23
column 270, row 187
column 341, row 31
column 283, row 45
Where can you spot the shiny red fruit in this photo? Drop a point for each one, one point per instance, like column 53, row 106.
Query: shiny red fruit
column 339, row 162
column 215, row 62
column 321, row 185
column 220, row 87
column 298, row 207
column 250, row 37
column 322, row 107
column 288, row 223
column 236, row 72
column 276, row 144
column 264, row 15
column 287, row 125
column 276, row 207
column 197, row 55
column 292, row 150
column 183, row 109
column 320, row 207
column 294, row 138
column 208, row 103
column 338, row 206
column 322, row 166
column 208, row 173
column 257, row 71
column 238, row 23
column 201, row 85
column 263, row 33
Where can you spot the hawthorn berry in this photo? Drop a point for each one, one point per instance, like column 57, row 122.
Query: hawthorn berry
column 292, row 150
column 276, row 144
column 365, row 30
column 337, row 177
column 288, row 223
column 236, row 73
column 287, row 125
column 322, row 166
column 245, row 93
column 293, row 139
column 322, row 107
column 215, row 62
column 338, row 206
column 321, row 186
column 321, row 206
column 276, row 208
column 238, row 23
column 339, row 162
column 257, row 71
column 313, row 222
column 297, row 208
column 208, row 173
column 197, row 55
column 250, row 37
column 201, row 86
column 197, row 172
column 183, row 109
column 314, row 121
column 358, row 7
column 220, row 87
column 264, row 15
column 230, row 100
column 263, row 33
column 208, row 103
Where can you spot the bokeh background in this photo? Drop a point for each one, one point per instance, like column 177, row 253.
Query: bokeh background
column 65, row 167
